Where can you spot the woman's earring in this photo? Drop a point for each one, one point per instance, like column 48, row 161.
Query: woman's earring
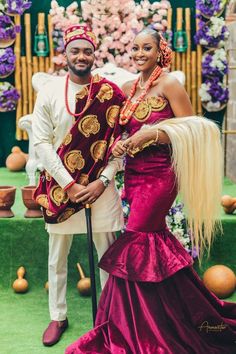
column 158, row 58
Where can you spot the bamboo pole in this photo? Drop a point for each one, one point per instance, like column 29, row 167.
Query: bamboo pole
column 41, row 24
column 24, row 85
column 199, row 71
column 194, row 81
column 169, row 28
column 47, row 64
column 188, row 54
column 29, row 61
column 35, row 70
column 19, row 132
column 50, row 39
column 173, row 62
column 169, row 19
column 179, row 28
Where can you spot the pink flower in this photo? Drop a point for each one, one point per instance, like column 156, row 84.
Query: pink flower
column 162, row 12
column 164, row 23
column 156, row 18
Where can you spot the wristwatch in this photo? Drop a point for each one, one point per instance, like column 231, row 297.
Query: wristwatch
column 104, row 180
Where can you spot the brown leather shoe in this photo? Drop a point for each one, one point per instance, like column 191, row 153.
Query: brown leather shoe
column 54, row 331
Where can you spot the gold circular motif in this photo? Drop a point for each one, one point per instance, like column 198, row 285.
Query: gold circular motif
column 82, row 93
column 64, row 216
column 74, row 160
column 48, row 176
column 84, row 179
column 58, row 196
column 157, row 103
column 105, row 93
column 49, row 213
column 111, row 115
column 143, row 111
column 89, row 125
column 98, row 149
column 67, row 140
column 42, row 199
column 97, row 78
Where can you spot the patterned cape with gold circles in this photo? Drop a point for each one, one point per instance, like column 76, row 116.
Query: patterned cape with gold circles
column 85, row 149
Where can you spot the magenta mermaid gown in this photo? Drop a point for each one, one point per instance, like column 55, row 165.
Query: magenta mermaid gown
column 154, row 302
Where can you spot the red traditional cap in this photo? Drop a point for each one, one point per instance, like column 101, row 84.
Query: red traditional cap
column 76, row 32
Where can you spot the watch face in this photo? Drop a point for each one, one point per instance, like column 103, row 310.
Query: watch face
column 104, row 180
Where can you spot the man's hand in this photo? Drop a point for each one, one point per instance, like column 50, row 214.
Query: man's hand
column 73, row 190
column 90, row 193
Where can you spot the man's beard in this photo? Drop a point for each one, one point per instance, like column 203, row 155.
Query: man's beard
column 79, row 72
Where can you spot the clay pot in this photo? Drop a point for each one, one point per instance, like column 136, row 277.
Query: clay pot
column 33, row 208
column 228, row 203
column 20, row 285
column 16, row 160
column 7, row 198
column 220, row 280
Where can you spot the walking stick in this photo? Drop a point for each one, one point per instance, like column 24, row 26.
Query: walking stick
column 91, row 260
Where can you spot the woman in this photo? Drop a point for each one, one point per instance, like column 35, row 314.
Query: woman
column 153, row 301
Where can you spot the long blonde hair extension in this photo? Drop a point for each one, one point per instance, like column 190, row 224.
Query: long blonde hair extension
column 197, row 162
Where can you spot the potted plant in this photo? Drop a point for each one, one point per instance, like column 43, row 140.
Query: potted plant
column 7, row 198
column 214, row 94
column 212, row 34
column 209, row 8
column 7, row 62
column 8, row 97
column 7, row 31
column 16, row 7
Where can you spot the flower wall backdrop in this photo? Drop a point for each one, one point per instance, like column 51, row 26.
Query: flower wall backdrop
column 115, row 24
column 212, row 34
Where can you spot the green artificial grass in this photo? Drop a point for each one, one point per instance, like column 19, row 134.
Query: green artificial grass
column 24, row 242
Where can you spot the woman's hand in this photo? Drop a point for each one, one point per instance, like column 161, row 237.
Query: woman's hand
column 139, row 141
column 119, row 149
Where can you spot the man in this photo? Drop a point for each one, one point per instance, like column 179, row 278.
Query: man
column 73, row 148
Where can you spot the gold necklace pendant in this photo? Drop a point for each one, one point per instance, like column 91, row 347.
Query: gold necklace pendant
column 140, row 86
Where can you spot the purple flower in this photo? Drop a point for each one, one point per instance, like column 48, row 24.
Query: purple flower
column 210, row 8
column 17, row 6
column 8, row 96
column 215, row 64
column 7, row 61
column 7, row 28
column 218, row 92
column 211, row 34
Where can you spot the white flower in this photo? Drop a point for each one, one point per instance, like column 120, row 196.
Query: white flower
column 203, row 92
column 13, row 5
